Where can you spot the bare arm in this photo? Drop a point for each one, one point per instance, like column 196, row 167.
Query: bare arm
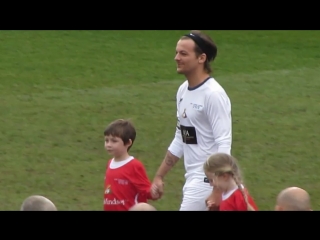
column 169, row 161
column 174, row 153
column 175, row 150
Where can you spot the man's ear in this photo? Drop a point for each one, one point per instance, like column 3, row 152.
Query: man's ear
column 202, row 58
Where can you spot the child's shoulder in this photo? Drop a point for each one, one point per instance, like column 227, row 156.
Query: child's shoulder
column 239, row 192
column 233, row 195
column 128, row 163
column 136, row 162
column 137, row 165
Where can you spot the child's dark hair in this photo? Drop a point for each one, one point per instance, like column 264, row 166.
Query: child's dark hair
column 222, row 163
column 123, row 129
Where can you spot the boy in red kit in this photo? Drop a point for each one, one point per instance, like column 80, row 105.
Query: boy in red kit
column 126, row 180
column 223, row 172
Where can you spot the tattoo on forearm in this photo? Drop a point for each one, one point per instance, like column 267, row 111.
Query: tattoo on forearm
column 170, row 160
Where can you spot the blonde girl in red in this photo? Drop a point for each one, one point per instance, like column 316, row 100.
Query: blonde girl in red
column 223, row 173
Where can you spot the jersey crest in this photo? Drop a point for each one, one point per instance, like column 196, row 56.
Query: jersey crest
column 184, row 114
column 108, row 189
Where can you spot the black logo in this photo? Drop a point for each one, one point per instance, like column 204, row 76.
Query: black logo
column 189, row 135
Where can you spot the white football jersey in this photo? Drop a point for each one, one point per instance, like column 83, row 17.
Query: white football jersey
column 204, row 124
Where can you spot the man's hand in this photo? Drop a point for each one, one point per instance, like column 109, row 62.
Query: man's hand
column 157, row 188
column 213, row 201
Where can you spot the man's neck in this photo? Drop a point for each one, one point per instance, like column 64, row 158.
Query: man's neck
column 196, row 78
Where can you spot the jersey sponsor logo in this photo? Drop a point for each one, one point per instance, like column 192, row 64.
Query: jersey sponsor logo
column 197, row 107
column 189, row 135
column 121, row 181
column 114, row 201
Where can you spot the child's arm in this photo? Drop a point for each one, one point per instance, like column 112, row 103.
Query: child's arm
column 213, row 201
column 141, row 181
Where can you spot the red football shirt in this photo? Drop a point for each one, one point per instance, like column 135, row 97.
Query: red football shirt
column 126, row 183
column 234, row 201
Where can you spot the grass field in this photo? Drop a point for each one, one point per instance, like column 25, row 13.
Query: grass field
column 59, row 90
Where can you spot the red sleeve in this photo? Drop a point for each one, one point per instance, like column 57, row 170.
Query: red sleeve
column 141, row 181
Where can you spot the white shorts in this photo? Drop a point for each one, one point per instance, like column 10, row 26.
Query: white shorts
column 195, row 192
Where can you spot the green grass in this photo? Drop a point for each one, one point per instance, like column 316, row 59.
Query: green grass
column 59, row 90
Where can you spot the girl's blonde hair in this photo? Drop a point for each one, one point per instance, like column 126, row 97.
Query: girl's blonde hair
column 222, row 163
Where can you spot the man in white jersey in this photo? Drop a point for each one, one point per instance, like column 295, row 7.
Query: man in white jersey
column 204, row 121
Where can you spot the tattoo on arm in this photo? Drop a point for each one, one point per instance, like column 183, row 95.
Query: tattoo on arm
column 170, row 160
